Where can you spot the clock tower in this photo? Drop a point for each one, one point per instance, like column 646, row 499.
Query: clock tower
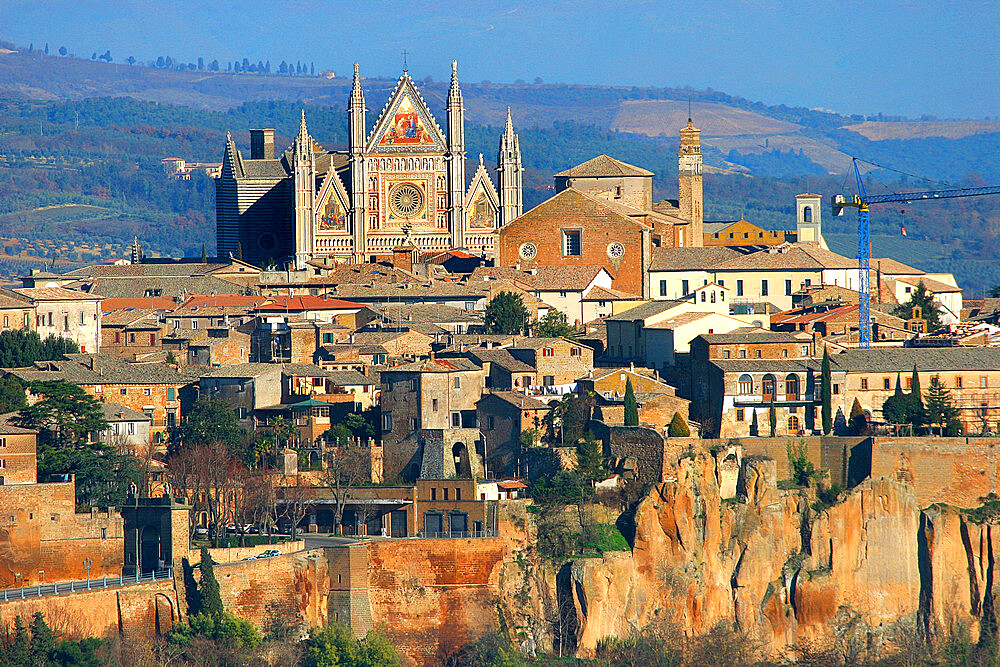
column 690, row 196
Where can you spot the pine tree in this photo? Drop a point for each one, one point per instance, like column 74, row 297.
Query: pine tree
column 825, row 393
column 631, row 407
column 208, row 589
column 678, row 427
column 43, row 641
column 506, row 314
column 19, row 650
column 939, row 409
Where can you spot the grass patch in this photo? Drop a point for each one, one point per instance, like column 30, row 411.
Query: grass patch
column 604, row 537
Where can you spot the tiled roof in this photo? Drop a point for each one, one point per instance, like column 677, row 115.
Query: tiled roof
column 541, row 278
column 264, row 169
column 304, row 370
column 120, row 413
column 225, row 301
column 180, row 269
column 245, row 370
column 502, row 358
column 604, row 165
column 690, row 259
column 130, row 316
column 893, row 267
column 751, row 335
column 426, row 312
column 377, row 337
column 795, row 256
column 902, row 359
column 681, row 319
column 6, row 428
column 518, row 400
column 101, row 369
column 437, row 366
column 644, row 311
column 167, row 286
column 11, row 299
column 282, row 303
column 535, row 342
column 598, row 293
column 348, row 378
column 574, row 207
column 55, row 294
column 932, row 286
column 151, row 302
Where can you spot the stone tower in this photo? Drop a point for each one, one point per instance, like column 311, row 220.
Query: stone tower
column 455, row 109
column 509, row 168
column 689, row 186
column 807, row 218
column 356, row 114
column 304, row 166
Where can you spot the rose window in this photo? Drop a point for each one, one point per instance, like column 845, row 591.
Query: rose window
column 616, row 251
column 406, row 200
column 527, row 250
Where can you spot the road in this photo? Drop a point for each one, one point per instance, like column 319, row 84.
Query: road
column 315, row 540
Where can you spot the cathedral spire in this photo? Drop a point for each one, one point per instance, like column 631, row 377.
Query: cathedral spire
column 455, row 108
column 303, row 131
column 454, row 92
column 509, row 168
column 357, row 96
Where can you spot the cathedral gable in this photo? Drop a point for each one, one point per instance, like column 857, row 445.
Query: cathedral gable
column 332, row 208
column 406, row 124
column 482, row 204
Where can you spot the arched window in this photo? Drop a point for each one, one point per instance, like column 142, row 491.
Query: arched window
column 713, row 297
column 793, row 424
column 767, row 388
column 745, row 385
column 807, row 214
column 792, row 387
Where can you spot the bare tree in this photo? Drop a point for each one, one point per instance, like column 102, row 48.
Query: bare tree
column 347, row 468
column 212, row 479
column 296, row 503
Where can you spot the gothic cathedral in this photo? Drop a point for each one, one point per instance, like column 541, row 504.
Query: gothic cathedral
column 402, row 183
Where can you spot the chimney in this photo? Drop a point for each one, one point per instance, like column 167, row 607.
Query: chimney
column 262, row 144
column 631, row 366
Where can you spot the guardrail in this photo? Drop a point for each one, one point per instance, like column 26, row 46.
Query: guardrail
column 83, row 585
column 456, row 534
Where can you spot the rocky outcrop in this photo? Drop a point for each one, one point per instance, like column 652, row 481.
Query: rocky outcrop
column 856, row 575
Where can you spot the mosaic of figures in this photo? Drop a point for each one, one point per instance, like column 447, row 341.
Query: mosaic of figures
column 406, row 127
column 333, row 218
column 482, row 213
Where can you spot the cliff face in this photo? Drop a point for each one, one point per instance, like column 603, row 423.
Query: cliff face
column 856, row 576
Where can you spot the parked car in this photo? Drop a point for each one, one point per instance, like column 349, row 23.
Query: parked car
column 250, row 558
column 201, row 532
column 268, row 553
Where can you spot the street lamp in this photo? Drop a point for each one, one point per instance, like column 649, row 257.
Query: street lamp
column 87, row 562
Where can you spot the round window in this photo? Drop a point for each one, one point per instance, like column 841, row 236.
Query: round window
column 616, row 250
column 406, row 200
column 267, row 241
column 527, row 250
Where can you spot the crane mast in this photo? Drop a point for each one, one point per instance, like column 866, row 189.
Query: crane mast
column 861, row 202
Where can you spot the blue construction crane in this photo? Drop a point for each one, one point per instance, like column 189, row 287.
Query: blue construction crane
column 861, row 202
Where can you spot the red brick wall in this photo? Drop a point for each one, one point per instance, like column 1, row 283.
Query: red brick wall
column 957, row 471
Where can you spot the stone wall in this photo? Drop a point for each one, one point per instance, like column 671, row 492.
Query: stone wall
column 833, row 454
column 958, row 471
column 142, row 609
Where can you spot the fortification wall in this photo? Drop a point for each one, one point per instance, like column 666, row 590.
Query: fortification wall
column 957, row 471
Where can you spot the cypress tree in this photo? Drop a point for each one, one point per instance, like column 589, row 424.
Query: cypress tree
column 208, row 589
column 204, row 255
column 825, row 393
column 43, row 641
column 939, row 407
column 916, row 398
column 772, row 418
column 631, row 407
column 858, row 423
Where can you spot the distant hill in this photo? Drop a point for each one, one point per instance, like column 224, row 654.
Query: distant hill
column 81, row 143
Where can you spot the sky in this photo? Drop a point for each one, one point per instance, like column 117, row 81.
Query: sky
column 898, row 58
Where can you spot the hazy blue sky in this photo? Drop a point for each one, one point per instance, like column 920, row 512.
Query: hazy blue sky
column 907, row 58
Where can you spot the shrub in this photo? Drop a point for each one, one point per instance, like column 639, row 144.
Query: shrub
column 222, row 627
column 678, row 427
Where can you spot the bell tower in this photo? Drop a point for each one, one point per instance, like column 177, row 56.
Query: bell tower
column 689, row 186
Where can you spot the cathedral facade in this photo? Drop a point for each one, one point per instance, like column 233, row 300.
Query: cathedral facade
column 403, row 183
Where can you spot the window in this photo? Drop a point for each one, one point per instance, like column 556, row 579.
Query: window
column 82, row 321
column 703, row 297
column 768, row 387
column 414, row 424
column 50, row 319
column 793, row 424
column 739, row 414
column 147, row 391
column 413, row 384
column 788, row 288
column 131, row 338
column 745, row 385
column 434, row 404
column 490, row 423
column 458, row 493
column 743, row 354
column 805, row 350
column 456, row 419
column 864, row 384
column 984, row 382
column 757, row 353
column 575, row 352
column 548, row 352
column 386, row 422
column 739, row 288
column 685, row 286
column 713, row 297
column 3, row 442
column 791, row 387
column 6, row 320
column 784, row 353
column 663, row 288
column 118, row 336
column 722, row 283
column 808, row 282
column 194, row 324
column 958, row 382
column 65, row 322
column 807, row 214
column 909, row 382
column 445, row 493
column 725, row 354
column 457, row 384
column 549, row 380
column 124, row 391
column 836, row 389
column 241, row 413
column 3, row 464
column 763, row 288
column 571, row 243
column 98, row 389
column 434, row 493
column 886, row 384
column 327, row 338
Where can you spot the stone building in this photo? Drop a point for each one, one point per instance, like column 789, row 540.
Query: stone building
column 16, row 310
column 503, row 416
column 66, row 313
column 244, row 387
column 603, row 215
column 18, row 458
column 429, row 424
column 403, row 182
